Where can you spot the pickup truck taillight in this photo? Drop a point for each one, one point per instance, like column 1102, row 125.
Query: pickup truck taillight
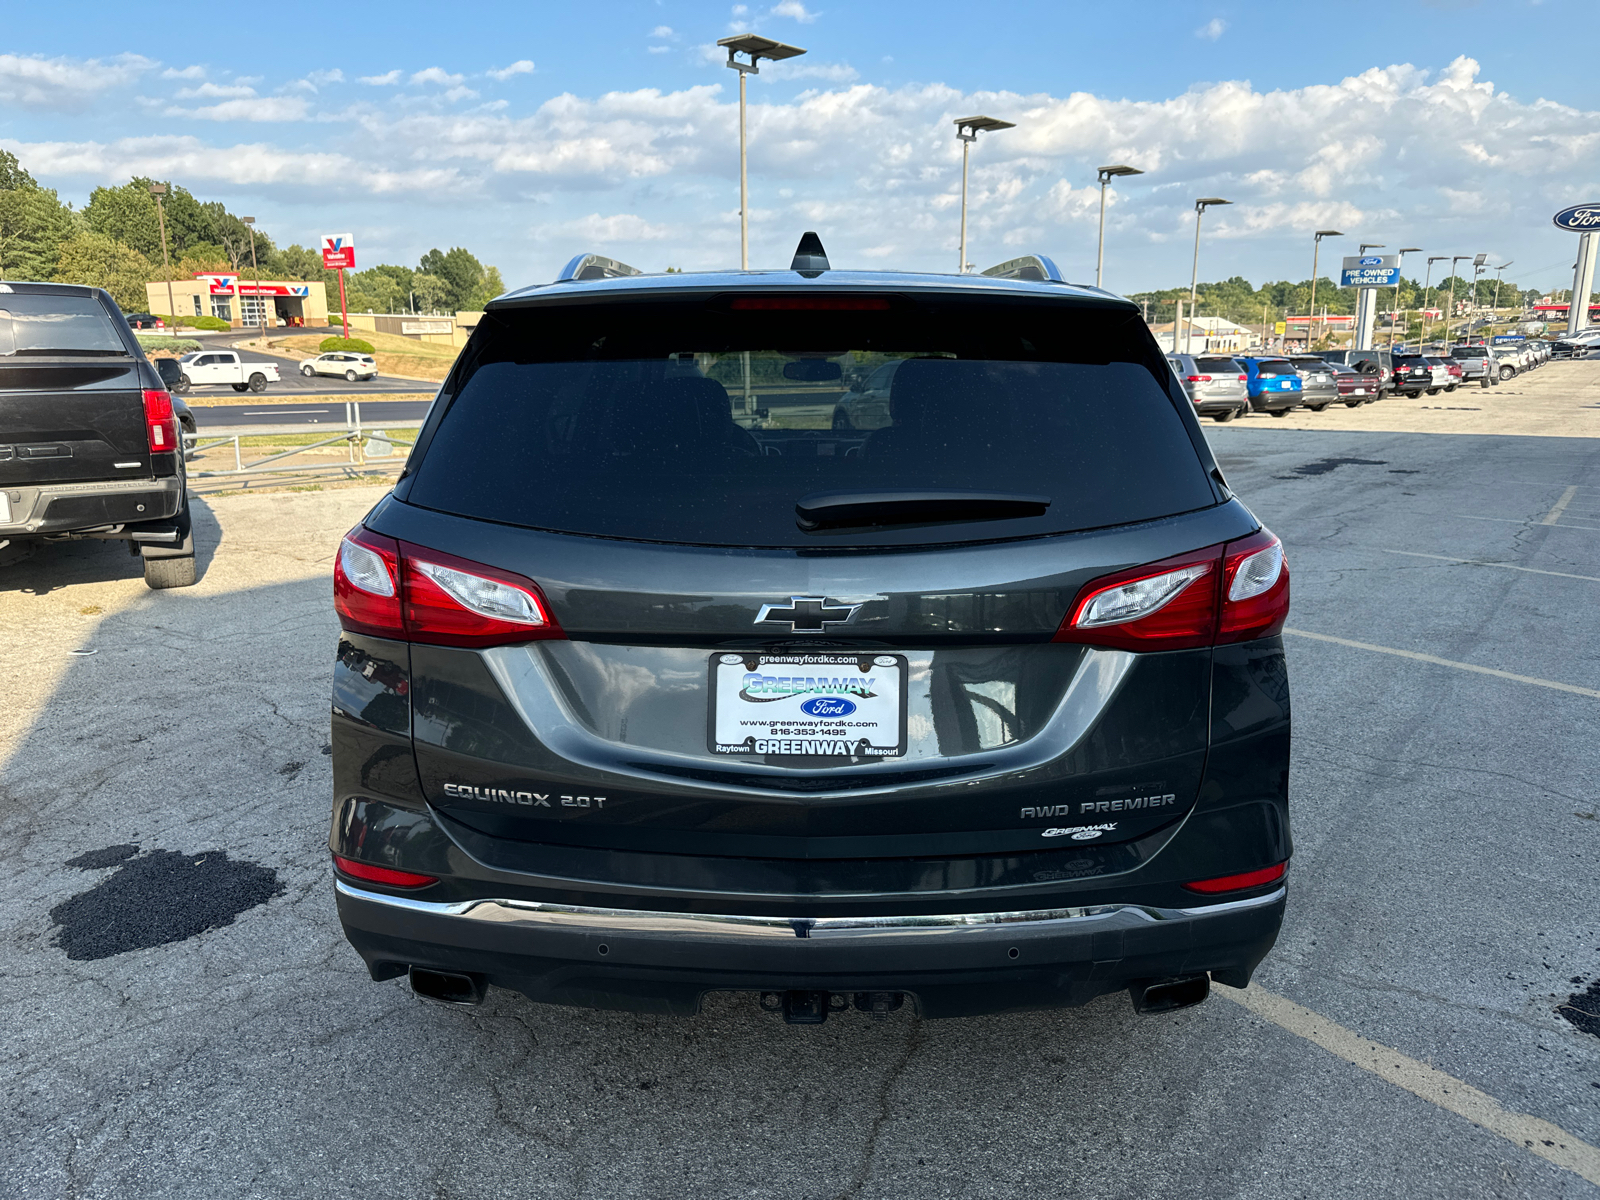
column 160, row 425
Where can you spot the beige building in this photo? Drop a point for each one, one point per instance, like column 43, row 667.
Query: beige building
column 242, row 302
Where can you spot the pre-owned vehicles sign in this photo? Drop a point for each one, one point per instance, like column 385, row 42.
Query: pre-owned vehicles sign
column 1370, row 270
column 338, row 251
column 1580, row 218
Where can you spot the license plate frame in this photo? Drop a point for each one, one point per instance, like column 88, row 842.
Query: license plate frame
column 849, row 724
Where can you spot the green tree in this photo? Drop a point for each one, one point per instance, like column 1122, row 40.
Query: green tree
column 33, row 224
column 430, row 290
column 101, row 261
column 384, row 289
column 469, row 284
column 12, row 174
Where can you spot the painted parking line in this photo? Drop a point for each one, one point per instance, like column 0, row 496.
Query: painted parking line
column 1478, row 562
column 1447, row 662
column 1549, row 1142
column 1554, row 515
column 1525, row 521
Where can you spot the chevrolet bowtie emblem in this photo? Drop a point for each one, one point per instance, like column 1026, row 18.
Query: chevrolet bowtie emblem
column 807, row 614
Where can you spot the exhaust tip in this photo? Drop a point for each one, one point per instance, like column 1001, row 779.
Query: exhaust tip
column 1169, row 995
column 446, row 987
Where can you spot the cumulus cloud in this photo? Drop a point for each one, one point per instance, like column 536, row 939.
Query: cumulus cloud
column 261, row 108
column 436, row 75
column 662, row 31
column 65, row 84
column 196, row 71
column 216, row 91
column 387, row 79
column 794, row 10
column 622, row 227
column 523, row 66
column 1212, row 29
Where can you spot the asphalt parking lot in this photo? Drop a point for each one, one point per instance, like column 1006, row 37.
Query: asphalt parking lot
column 210, row 1034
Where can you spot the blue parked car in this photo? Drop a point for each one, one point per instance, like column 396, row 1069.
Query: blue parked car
column 1273, row 383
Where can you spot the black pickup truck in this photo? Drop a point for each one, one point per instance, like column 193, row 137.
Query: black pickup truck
column 91, row 439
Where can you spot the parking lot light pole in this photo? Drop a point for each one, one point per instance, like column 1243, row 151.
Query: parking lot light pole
column 1426, row 292
column 1107, row 174
column 261, row 310
column 1477, row 269
column 158, row 190
column 1497, row 278
column 755, row 49
column 1404, row 250
column 1200, row 207
column 1454, row 259
column 1316, row 249
column 967, row 131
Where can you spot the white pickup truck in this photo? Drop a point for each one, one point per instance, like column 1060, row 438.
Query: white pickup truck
column 210, row 367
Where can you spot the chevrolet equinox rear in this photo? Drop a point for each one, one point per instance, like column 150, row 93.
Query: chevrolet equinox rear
column 672, row 666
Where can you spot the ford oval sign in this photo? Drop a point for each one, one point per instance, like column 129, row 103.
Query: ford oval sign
column 1580, row 218
column 1372, row 260
column 828, row 706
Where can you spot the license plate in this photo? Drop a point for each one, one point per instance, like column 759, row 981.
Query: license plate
column 1358, row 392
column 806, row 706
column 1286, row 385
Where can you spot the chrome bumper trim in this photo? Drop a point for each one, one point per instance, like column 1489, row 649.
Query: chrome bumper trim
column 575, row 919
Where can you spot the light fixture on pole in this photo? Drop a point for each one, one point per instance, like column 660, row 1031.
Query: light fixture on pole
column 261, row 308
column 1426, row 288
column 1497, row 278
column 967, row 131
column 1454, row 259
column 158, row 190
column 1316, row 249
column 755, row 49
column 1477, row 269
column 1200, row 207
column 1107, row 174
column 1399, row 262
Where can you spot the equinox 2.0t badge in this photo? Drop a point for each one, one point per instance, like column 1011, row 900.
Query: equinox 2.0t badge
column 807, row 614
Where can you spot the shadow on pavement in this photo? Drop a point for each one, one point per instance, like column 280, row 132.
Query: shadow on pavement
column 53, row 565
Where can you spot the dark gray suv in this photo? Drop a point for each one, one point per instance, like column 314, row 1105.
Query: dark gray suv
column 658, row 679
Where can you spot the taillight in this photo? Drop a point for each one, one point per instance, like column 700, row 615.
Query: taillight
column 394, row 589
column 384, row 875
column 1232, row 592
column 1237, row 883
column 160, row 425
column 1197, row 379
column 1244, row 379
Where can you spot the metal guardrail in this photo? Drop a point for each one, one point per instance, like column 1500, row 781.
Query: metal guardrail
column 354, row 434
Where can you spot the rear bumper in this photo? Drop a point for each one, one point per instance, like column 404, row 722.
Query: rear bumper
column 1273, row 401
column 951, row 965
column 1208, row 405
column 46, row 509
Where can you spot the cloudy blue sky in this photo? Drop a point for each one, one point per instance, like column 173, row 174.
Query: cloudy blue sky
column 527, row 132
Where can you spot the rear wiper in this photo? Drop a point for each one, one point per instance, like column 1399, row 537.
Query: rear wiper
column 833, row 510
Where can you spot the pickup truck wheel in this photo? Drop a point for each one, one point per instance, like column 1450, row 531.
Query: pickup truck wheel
column 183, row 384
column 1484, row 383
column 350, row 376
column 258, row 382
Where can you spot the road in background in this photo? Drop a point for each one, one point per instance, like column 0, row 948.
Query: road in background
column 294, row 382
column 1441, row 904
column 373, row 413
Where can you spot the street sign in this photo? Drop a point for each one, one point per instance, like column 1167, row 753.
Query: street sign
column 1580, row 218
column 1501, row 339
column 338, row 251
column 1280, row 328
column 1370, row 271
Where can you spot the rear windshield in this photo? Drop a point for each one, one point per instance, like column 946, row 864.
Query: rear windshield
column 704, row 423
column 1221, row 366
column 1271, row 367
column 1467, row 352
column 35, row 323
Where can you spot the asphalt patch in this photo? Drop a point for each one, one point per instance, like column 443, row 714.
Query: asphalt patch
column 157, row 898
column 1323, row 465
column 1582, row 1009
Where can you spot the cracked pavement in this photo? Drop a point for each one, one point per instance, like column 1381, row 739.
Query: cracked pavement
column 1441, row 900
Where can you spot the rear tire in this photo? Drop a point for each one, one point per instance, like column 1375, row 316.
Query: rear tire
column 1506, row 373
column 1222, row 418
column 1354, row 403
column 1280, row 412
column 1317, row 407
column 1433, row 391
column 258, row 382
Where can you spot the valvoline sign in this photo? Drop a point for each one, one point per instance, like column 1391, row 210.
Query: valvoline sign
column 1580, row 218
column 338, row 251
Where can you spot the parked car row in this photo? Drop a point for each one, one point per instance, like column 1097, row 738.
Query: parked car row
column 1223, row 388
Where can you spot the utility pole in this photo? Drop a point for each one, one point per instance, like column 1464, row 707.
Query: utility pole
column 1404, row 250
column 159, row 190
column 1426, row 290
column 261, row 308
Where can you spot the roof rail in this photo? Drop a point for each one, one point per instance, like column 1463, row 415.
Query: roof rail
column 1033, row 267
column 595, row 266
